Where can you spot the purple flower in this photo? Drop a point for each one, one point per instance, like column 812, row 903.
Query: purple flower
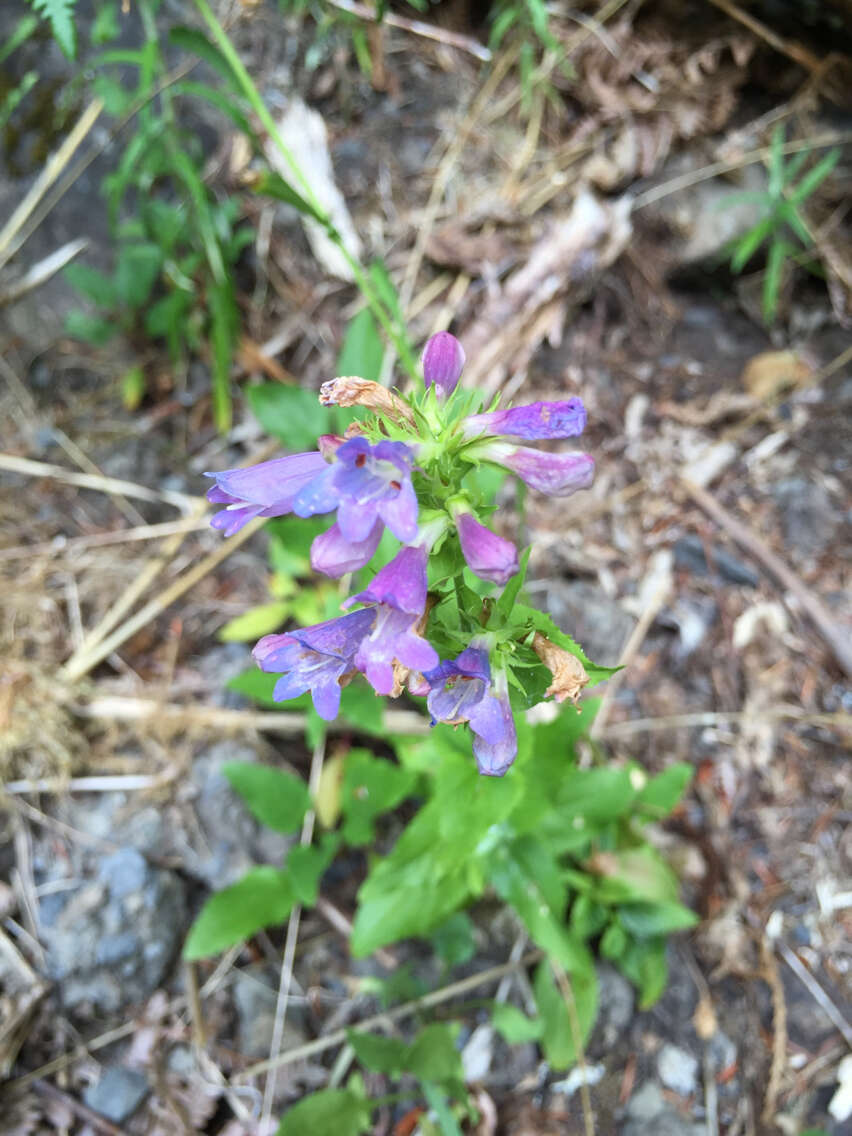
column 462, row 691
column 315, row 658
column 334, row 555
column 556, row 474
column 393, row 638
column 366, row 483
column 265, row 490
column 488, row 556
column 399, row 593
column 539, row 420
column 442, row 361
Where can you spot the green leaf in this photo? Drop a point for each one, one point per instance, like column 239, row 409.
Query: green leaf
column 278, row 799
column 748, row 244
column 543, row 623
column 306, row 865
column 105, row 26
column 133, row 387
column 528, row 878
column 290, row 540
column 360, row 707
column 814, row 177
column 634, row 875
column 559, row 1030
column 95, row 285
column 331, row 1112
column 614, row 941
column 262, row 898
column 362, row 351
column 24, row 28
column 371, row 786
column 257, row 621
column 433, row 1055
column 291, row 414
column 222, row 103
column 196, row 42
column 778, row 251
column 509, row 595
column 513, row 1025
column 648, row 920
column 135, row 274
column 454, row 941
column 662, row 793
column 91, row 329
column 377, row 1053
column 269, row 184
column 224, row 319
column 644, row 963
column 257, row 685
column 59, row 13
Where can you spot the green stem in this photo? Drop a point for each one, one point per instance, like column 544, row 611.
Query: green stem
column 259, row 107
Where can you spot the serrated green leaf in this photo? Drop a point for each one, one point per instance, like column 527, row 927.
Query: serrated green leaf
column 278, row 799
column 306, row 865
column 262, row 898
column 454, row 940
column 105, row 26
column 377, row 1053
column 331, row 1112
column 649, row 920
column 433, row 1055
column 59, row 13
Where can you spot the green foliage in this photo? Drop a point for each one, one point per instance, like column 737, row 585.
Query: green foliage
column 262, row 898
column 332, row 1112
column 60, row 16
column 781, row 226
column 278, row 799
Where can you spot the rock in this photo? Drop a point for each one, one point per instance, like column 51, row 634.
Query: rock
column 649, row 1115
column 111, row 942
column 678, row 1070
column 693, row 616
column 478, row 1054
column 586, row 613
column 690, row 556
column 255, row 997
column 723, row 1052
column 118, row 1093
column 809, row 518
column 615, row 1008
column 233, row 841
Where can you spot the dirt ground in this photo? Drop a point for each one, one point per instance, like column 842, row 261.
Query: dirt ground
column 576, row 246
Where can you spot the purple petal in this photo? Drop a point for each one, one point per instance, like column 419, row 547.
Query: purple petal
column 398, row 453
column 401, row 583
column 559, row 475
column 231, row 520
column 357, row 521
column 379, row 674
column 399, row 512
column 415, row 652
column 338, row 637
column 495, row 759
column 277, row 653
column 290, row 686
column 539, row 420
column 326, row 697
column 271, row 483
column 318, row 496
column 442, row 360
column 488, row 556
column 334, row 555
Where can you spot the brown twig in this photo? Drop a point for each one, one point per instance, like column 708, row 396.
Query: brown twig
column 772, row 978
column 819, row 995
column 839, row 643
column 417, row 27
column 795, row 51
column 567, row 991
column 434, row 998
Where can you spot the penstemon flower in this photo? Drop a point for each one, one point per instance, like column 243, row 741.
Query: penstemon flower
column 410, row 467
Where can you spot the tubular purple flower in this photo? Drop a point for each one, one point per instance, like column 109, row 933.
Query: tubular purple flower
column 315, row 658
column 394, row 638
column 462, row 691
column 488, row 556
column 265, row 490
column 558, row 475
column 365, row 483
column 539, row 420
column 334, row 555
column 442, row 361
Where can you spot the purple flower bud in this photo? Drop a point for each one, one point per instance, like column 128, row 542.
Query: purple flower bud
column 265, row 490
column 366, row 483
column 329, row 444
column 401, row 583
column 558, row 475
column 334, row 555
column 538, row 420
column 315, row 658
column 488, row 556
column 442, row 361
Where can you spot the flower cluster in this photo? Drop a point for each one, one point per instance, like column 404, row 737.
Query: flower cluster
column 410, row 468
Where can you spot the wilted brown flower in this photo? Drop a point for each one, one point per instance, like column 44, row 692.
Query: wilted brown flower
column 569, row 674
column 352, row 391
